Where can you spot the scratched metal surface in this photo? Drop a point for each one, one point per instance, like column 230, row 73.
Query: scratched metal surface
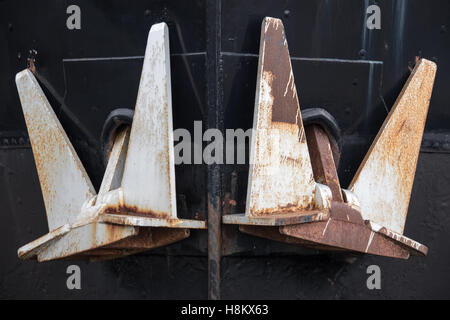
column 163, row 276
column 331, row 71
column 149, row 172
column 280, row 174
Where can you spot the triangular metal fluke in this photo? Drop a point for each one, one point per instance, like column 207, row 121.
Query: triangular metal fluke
column 281, row 187
column 59, row 169
column 135, row 209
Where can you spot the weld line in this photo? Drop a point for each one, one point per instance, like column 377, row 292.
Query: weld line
column 126, row 57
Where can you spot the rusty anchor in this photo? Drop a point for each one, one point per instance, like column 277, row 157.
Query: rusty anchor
column 135, row 208
column 294, row 194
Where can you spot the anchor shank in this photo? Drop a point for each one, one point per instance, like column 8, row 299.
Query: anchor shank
column 322, row 160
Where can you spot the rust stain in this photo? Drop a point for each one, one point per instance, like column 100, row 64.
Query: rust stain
column 281, row 179
column 150, row 150
column 384, row 179
column 348, row 236
column 149, row 159
column 150, row 238
column 322, row 160
column 136, row 211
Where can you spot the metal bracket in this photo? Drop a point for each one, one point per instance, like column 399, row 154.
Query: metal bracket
column 135, row 208
column 294, row 194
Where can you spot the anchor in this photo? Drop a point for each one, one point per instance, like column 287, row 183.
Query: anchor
column 135, row 208
column 294, row 195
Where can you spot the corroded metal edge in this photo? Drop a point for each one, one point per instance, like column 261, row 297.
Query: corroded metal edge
column 84, row 238
column 347, row 236
column 143, row 221
column 150, row 238
column 146, row 239
column 273, row 233
column 276, row 219
column 413, row 246
column 31, row 249
column 280, row 175
column 54, row 156
column 384, row 180
column 91, row 233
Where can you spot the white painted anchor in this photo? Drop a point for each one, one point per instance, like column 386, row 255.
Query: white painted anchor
column 285, row 203
column 135, row 208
